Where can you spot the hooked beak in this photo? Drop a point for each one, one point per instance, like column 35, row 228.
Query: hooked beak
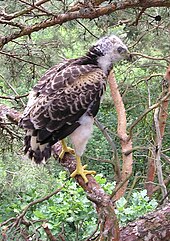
column 125, row 53
column 128, row 56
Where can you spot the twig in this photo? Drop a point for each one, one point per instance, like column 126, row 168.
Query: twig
column 86, row 29
column 13, row 89
column 138, row 17
column 164, row 198
column 158, row 154
column 113, row 146
column 135, row 149
column 20, row 59
column 147, row 78
column 7, row 22
column 145, row 113
column 135, row 180
column 34, row 6
column 22, row 12
column 95, row 231
column 119, row 186
column 151, row 57
column 165, row 157
column 100, row 159
column 17, row 220
column 13, row 97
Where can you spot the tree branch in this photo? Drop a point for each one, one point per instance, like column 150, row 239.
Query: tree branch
column 105, row 206
column 153, row 226
column 152, row 107
column 82, row 13
column 160, row 118
column 103, row 203
column 22, row 214
column 126, row 142
column 22, row 12
column 116, row 160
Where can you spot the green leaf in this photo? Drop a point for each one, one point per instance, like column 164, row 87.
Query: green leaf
column 39, row 214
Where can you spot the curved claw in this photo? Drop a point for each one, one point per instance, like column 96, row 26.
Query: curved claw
column 80, row 170
column 65, row 149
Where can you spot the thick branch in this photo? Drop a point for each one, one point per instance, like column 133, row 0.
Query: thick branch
column 160, row 118
column 163, row 114
column 126, row 143
column 154, row 226
column 146, row 228
column 158, row 153
column 83, row 13
column 103, row 203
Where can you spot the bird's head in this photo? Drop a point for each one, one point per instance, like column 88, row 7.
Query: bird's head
column 110, row 50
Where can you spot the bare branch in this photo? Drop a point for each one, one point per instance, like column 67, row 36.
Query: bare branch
column 22, row 214
column 20, row 59
column 151, row 57
column 126, row 142
column 158, row 153
column 82, row 13
column 22, row 12
column 13, row 97
column 48, row 232
column 154, row 159
column 146, row 112
column 116, row 160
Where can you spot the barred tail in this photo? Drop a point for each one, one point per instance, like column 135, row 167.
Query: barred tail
column 35, row 150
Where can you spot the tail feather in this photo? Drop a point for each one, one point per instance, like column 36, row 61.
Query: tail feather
column 35, row 150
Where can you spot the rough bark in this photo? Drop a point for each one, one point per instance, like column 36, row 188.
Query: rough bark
column 105, row 207
column 160, row 119
column 78, row 11
column 152, row 227
column 125, row 140
column 147, row 228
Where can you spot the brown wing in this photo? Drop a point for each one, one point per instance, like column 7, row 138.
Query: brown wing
column 56, row 105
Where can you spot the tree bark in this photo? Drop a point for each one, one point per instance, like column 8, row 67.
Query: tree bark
column 79, row 11
column 152, row 227
column 125, row 140
column 160, row 123
column 147, row 228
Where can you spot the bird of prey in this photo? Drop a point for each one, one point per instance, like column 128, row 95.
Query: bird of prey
column 65, row 101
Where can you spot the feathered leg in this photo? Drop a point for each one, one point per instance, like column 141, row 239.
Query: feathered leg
column 65, row 149
column 80, row 170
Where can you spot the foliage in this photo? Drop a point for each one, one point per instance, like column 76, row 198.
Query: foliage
column 138, row 205
column 69, row 211
column 140, row 84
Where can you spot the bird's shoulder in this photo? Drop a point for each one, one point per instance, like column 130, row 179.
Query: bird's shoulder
column 68, row 74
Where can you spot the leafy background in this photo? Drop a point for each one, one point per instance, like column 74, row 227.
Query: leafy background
column 22, row 182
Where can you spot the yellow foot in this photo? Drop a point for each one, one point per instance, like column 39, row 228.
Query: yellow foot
column 80, row 170
column 65, row 149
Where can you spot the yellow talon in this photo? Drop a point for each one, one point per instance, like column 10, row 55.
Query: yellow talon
column 80, row 170
column 65, row 149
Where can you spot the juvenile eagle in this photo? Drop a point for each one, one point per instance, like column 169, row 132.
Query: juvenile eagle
column 66, row 99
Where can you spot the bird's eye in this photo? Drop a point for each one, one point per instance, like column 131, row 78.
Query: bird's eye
column 121, row 50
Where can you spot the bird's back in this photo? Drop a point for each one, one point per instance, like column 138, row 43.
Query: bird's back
column 58, row 101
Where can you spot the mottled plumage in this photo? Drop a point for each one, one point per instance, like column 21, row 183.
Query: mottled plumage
column 65, row 100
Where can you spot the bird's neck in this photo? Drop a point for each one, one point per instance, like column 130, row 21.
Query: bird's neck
column 104, row 62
